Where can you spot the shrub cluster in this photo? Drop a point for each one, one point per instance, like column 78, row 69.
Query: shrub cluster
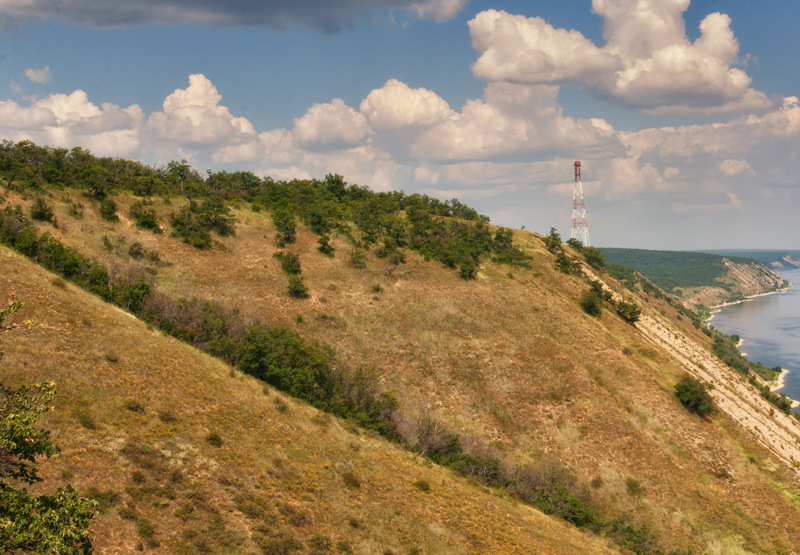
column 290, row 264
column 144, row 216
column 693, row 395
column 127, row 291
column 194, row 222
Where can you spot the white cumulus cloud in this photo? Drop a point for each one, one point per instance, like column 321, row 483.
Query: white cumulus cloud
column 194, row 115
column 398, row 105
column 331, row 125
column 530, row 50
column 514, row 122
column 647, row 61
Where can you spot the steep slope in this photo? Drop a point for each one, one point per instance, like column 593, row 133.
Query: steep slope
column 134, row 418
column 512, row 360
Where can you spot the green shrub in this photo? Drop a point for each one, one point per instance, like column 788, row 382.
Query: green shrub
column 186, row 226
column 633, row 486
column 591, row 303
column 285, row 226
column 351, row 480
column 75, row 210
column 108, row 210
column 422, row 485
column 134, row 406
column 297, row 289
column 594, row 257
column 136, row 250
column 290, row 263
column 144, row 216
column 467, row 271
column 41, row 211
column 105, row 498
column 553, row 240
column 358, row 259
column 325, row 246
column 694, row 396
column 628, row 311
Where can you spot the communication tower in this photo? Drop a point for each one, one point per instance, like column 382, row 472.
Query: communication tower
column 580, row 229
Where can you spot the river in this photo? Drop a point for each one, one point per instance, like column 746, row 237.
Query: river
column 769, row 327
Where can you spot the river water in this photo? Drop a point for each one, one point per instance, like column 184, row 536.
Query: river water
column 769, row 327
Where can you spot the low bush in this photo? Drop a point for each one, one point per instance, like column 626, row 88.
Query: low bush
column 290, row 263
column 144, row 216
column 591, row 303
column 297, row 289
column 693, row 395
column 41, row 211
column 108, row 210
column 214, row 439
column 628, row 311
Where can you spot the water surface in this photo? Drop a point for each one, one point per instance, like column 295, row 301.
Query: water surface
column 770, row 329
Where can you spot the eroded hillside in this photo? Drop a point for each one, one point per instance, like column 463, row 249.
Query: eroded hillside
column 508, row 359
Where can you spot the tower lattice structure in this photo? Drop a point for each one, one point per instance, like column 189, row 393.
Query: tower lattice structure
column 580, row 228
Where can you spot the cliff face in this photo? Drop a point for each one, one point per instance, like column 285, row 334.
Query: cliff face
column 741, row 279
column 786, row 262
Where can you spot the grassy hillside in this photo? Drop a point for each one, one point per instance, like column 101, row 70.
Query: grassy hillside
column 134, row 417
column 499, row 373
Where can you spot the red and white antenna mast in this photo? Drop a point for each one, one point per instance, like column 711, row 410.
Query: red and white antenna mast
column 580, row 229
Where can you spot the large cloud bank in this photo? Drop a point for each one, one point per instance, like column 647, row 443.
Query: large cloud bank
column 512, row 145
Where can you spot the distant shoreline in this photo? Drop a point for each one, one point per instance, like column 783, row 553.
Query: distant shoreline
column 715, row 308
column 780, row 382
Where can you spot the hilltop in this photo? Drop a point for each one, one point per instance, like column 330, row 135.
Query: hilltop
column 699, row 278
column 439, row 348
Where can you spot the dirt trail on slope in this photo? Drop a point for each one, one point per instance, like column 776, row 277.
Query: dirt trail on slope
column 732, row 394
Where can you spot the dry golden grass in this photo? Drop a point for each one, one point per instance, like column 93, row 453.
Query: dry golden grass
column 513, row 361
column 283, row 473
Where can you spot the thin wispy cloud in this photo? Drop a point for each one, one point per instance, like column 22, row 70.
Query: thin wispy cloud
column 41, row 76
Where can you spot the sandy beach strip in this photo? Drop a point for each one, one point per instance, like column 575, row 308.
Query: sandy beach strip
column 780, row 383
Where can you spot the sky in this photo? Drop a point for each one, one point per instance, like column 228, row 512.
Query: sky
column 684, row 115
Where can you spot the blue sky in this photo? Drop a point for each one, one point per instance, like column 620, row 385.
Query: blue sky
column 684, row 115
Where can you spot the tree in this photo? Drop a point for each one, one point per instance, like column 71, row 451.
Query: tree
column 214, row 214
column 594, row 257
column 575, row 244
column 97, row 180
column 54, row 523
column 553, row 240
column 285, row 227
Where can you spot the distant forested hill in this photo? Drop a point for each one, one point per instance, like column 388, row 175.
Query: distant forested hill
column 698, row 277
column 671, row 269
